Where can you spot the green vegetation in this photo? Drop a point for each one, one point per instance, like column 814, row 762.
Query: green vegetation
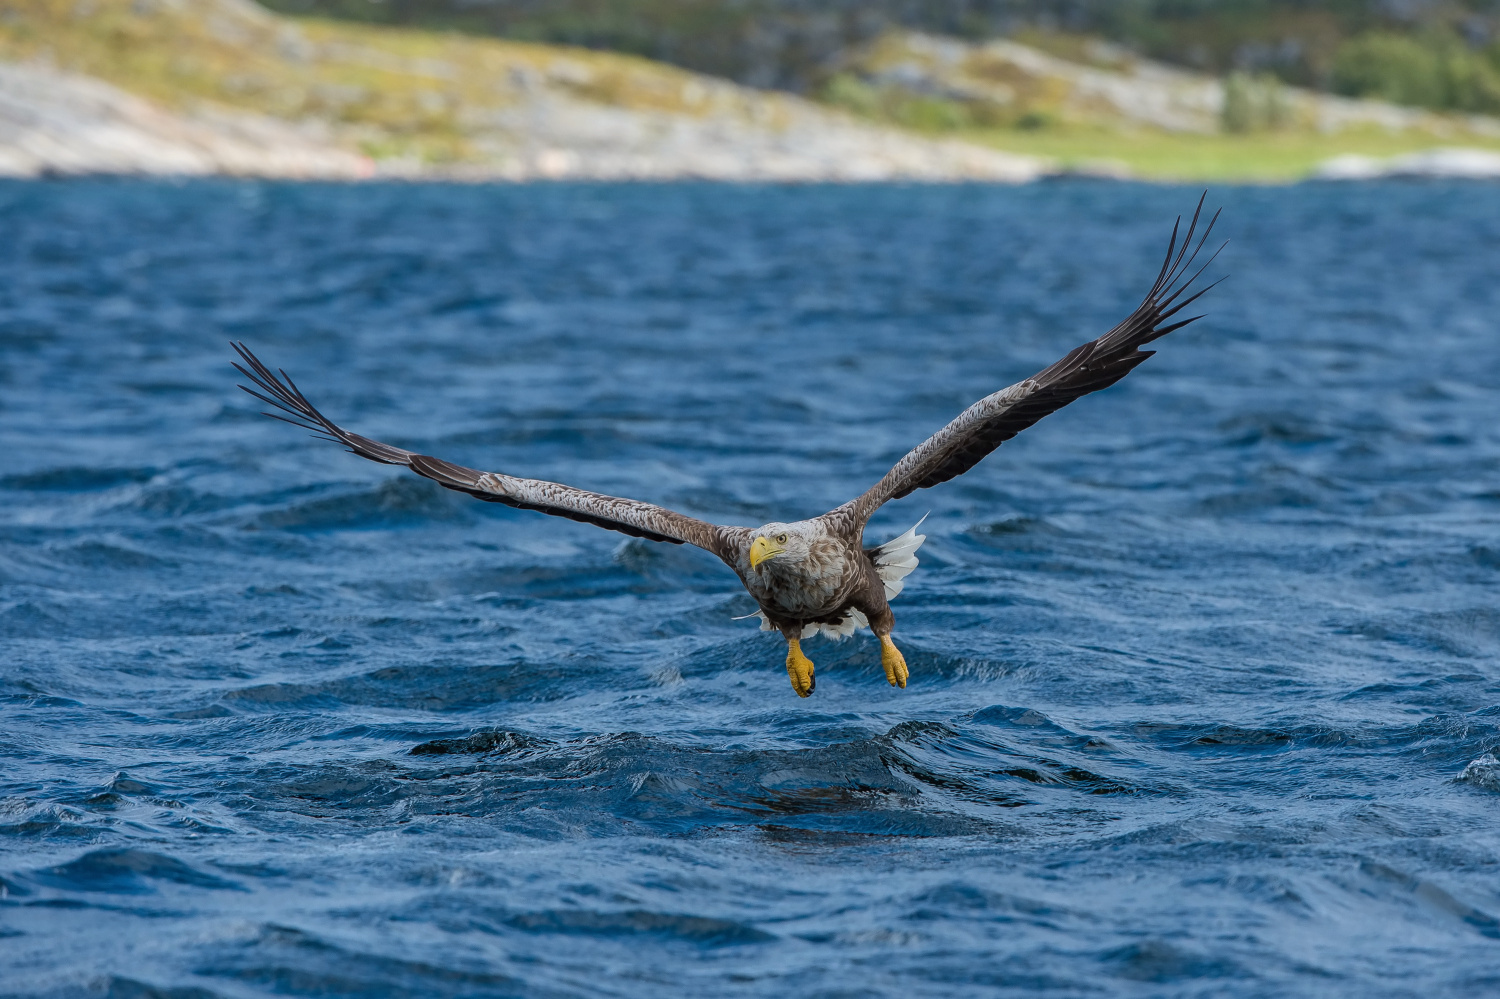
column 1263, row 157
column 797, row 45
column 1440, row 54
column 397, row 93
column 763, row 43
column 921, row 112
column 1257, row 144
column 1434, row 70
column 1254, row 104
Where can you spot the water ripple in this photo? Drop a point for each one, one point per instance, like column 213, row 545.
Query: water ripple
column 1203, row 698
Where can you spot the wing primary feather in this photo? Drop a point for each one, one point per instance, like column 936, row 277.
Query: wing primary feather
column 1169, row 313
column 296, row 419
column 316, row 433
column 1171, row 246
column 1171, row 329
column 270, row 400
column 292, row 420
column 289, row 399
column 1187, row 240
column 1196, row 274
column 1184, row 260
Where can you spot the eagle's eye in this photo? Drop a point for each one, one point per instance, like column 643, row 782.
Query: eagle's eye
column 781, row 539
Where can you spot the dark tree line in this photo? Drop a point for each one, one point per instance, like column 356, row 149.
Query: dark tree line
column 1435, row 52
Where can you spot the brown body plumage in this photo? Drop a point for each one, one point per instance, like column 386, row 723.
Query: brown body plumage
column 812, row 575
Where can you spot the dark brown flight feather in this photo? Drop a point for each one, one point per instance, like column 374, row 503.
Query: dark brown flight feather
column 632, row 517
column 1089, row 367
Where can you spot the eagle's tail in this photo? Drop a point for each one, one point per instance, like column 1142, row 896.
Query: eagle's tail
column 895, row 559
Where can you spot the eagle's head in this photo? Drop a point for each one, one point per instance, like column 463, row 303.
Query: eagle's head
column 785, row 545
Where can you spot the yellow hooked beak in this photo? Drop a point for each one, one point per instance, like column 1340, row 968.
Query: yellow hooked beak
column 761, row 549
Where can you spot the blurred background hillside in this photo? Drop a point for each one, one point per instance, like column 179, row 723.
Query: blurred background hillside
column 752, row 89
column 1442, row 54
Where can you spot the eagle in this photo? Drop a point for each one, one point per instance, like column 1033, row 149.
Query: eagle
column 812, row 576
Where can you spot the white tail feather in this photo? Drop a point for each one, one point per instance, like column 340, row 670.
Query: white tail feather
column 895, row 559
column 851, row 622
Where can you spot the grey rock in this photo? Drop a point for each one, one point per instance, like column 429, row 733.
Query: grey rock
column 60, row 123
column 1472, row 164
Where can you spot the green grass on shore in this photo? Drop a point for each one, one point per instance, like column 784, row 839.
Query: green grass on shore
column 1265, row 157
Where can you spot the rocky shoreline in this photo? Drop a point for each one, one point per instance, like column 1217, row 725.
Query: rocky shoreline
column 227, row 88
column 54, row 123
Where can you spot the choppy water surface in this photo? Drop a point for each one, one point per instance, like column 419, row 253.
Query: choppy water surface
column 1197, row 663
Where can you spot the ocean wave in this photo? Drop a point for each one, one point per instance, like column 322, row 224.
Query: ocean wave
column 1212, row 648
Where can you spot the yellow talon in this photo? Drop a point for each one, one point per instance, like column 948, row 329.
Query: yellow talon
column 799, row 669
column 893, row 661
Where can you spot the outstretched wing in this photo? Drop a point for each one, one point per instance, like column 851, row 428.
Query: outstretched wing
column 1089, row 367
column 641, row 520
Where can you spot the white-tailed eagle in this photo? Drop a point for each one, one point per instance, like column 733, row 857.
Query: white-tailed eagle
column 813, row 575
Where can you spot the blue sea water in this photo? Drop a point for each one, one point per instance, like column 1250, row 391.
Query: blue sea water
column 1201, row 665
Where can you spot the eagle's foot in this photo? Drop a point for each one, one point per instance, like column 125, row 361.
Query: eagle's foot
column 799, row 669
column 893, row 661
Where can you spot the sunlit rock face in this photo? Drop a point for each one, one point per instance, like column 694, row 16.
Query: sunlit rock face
column 59, row 123
column 248, row 92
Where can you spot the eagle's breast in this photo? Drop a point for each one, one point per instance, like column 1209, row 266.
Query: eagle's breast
column 811, row 587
